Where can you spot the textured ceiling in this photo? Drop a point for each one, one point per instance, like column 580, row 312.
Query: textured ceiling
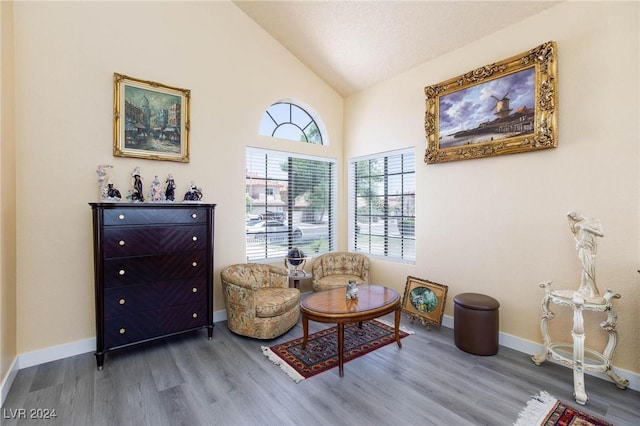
column 353, row 45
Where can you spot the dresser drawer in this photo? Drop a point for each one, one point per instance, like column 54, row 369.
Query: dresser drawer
column 125, row 329
column 143, row 269
column 160, row 294
column 140, row 241
column 146, row 216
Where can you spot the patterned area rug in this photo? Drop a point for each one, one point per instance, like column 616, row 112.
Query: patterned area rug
column 321, row 353
column 545, row 410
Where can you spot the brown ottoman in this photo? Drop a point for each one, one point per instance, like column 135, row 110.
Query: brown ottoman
column 475, row 323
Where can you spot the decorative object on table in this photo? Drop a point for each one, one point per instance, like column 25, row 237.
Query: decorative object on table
column 321, row 353
column 194, row 193
column 585, row 231
column 170, row 191
column 103, row 178
column 155, row 193
column 586, row 298
column 543, row 409
column 504, row 108
column 352, row 290
column 150, row 120
column 135, row 194
column 424, row 300
column 295, row 260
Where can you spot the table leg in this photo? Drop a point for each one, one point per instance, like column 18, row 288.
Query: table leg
column 578, row 352
column 305, row 330
column 397, row 326
column 341, row 348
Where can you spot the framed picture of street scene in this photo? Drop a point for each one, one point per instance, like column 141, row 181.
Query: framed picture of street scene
column 504, row 108
column 150, row 120
column 424, row 300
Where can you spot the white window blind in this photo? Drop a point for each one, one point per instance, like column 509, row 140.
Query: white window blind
column 382, row 205
column 289, row 203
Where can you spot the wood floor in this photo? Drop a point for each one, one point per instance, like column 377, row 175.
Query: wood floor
column 189, row 380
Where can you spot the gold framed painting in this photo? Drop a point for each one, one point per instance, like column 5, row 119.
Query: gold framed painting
column 150, row 120
column 424, row 300
column 504, row 108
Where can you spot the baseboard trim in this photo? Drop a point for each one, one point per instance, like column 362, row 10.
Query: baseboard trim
column 54, row 353
column 7, row 380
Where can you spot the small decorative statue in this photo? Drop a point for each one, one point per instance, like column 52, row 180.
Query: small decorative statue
column 585, row 230
column 156, row 194
column 194, row 193
column 352, row 290
column 112, row 192
column 136, row 194
column 170, row 192
column 102, row 177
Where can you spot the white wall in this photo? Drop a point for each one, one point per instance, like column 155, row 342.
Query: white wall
column 66, row 54
column 497, row 225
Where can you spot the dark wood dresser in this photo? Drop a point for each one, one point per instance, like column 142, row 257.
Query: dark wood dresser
column 153, row 271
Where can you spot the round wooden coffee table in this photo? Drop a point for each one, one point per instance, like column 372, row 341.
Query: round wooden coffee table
column 332, row 306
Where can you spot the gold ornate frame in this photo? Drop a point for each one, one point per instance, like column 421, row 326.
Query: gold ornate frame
column 427, row 314
column 528, row 132
column 150, row 120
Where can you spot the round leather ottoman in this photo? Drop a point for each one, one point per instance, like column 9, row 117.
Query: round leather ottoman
column 475, row 323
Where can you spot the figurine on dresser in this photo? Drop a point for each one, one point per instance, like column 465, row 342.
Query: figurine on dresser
column 170, row 192
column 194, row 193
column 103, row 176
column 155, row 193
column 136, row 194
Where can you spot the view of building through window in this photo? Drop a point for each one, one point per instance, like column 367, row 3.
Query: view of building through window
column 382, row 198
column 289, row 203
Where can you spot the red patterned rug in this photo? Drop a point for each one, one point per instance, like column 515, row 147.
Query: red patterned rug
column 545, row 410
column 321, row 353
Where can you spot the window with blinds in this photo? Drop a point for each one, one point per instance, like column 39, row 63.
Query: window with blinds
column 382, row 190
column 289, row 203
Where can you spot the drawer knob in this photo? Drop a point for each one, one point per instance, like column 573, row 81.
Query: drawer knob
column 195, row 289
column 193, row 215
column 121, row 301
column 121, row 216
column 121, row 242
column 121, row 272
column 194, row 238
column 194, row 315
column 194, row 264
column 122, row 331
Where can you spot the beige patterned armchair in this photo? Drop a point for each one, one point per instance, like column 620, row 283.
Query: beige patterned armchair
column 258, row 300
column 335, row 269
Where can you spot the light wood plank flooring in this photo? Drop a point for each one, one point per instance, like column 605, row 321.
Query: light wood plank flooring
column 189, row 380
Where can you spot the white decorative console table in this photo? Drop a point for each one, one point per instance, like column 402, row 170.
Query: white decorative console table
column 573, row 355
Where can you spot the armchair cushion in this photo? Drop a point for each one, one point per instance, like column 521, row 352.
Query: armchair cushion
column 271, row 302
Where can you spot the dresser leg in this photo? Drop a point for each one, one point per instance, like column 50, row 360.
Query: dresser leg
column 210, row 332
column 100, row 360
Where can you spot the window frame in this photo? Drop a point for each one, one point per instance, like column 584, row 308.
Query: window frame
column 386, row 218
column 290, row 203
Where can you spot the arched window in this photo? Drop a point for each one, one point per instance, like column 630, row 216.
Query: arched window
column 286, row 120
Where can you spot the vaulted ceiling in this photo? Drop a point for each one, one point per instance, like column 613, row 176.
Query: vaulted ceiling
column 352, row 45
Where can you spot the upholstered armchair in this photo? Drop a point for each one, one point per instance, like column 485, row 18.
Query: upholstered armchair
column 258, row 300
column 335, row 269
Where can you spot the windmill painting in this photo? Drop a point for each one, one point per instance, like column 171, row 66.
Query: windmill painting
column 477, row 115
column 502, row 108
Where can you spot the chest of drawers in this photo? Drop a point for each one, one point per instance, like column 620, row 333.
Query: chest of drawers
column 153, row 272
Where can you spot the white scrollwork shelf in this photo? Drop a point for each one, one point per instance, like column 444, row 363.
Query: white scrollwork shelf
column 573, row 355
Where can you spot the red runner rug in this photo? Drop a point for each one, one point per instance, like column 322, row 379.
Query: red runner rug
column 321, row 353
